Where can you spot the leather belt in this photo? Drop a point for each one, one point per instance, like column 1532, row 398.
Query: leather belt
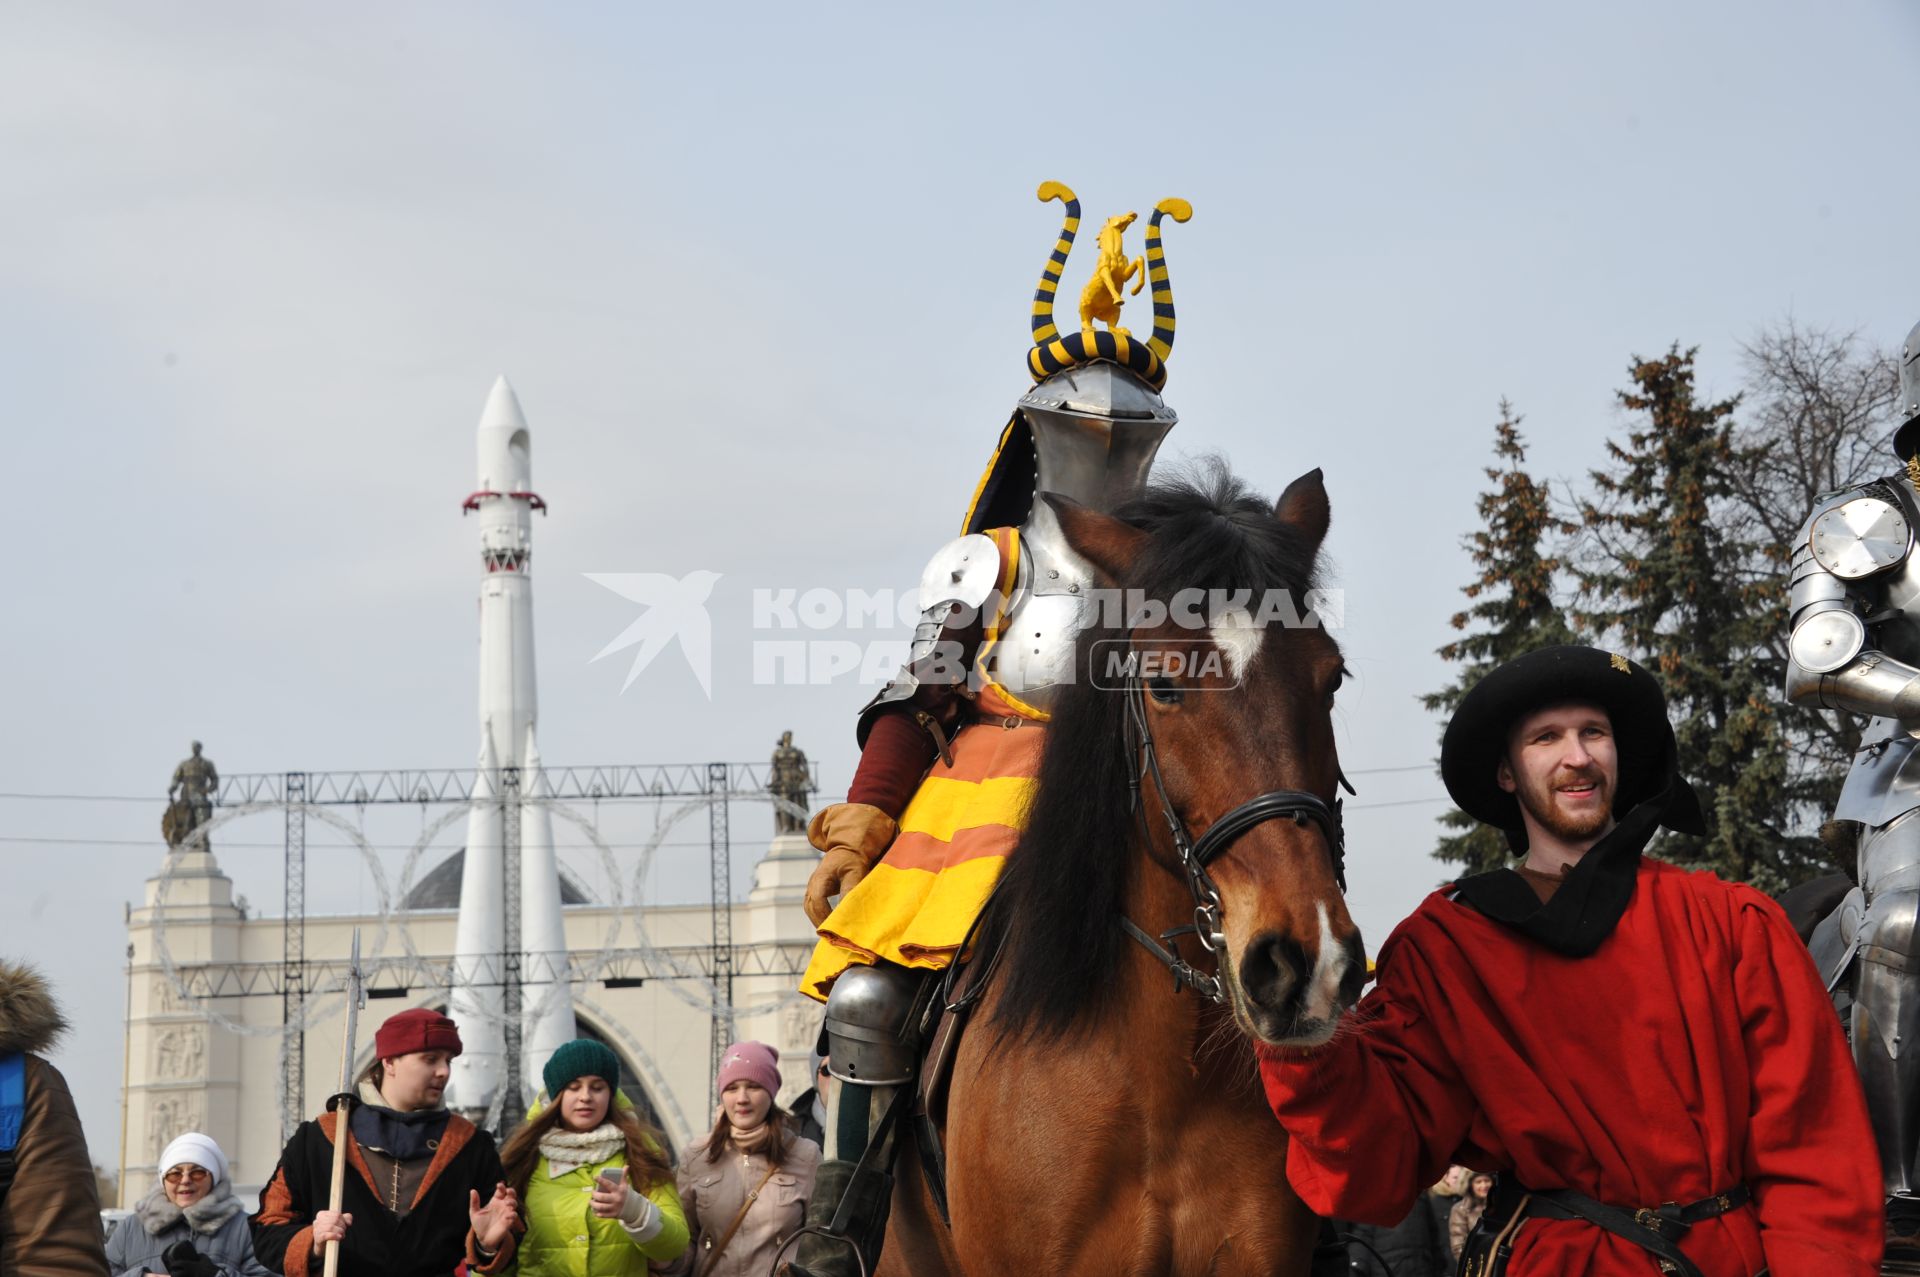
column 1655, row 1229
column 1670, row 1220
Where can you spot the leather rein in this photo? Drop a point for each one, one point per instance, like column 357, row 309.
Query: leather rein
column 1297, row 805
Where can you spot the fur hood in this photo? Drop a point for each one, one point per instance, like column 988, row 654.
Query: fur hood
column 29, row 1020
column 157, row 1214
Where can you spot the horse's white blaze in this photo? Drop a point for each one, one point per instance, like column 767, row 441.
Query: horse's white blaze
column 1329, row 965
column 1236, row 635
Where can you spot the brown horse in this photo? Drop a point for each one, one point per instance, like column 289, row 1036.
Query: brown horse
column 1101, row 1120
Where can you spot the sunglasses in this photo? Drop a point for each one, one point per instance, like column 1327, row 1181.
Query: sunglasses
column 181, row 1174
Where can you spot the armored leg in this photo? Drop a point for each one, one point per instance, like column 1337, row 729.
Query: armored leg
column 874, row 1017
column 1886, row 1030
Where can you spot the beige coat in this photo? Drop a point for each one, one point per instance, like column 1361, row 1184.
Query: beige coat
column 713, row 1192
column 1466, row 1213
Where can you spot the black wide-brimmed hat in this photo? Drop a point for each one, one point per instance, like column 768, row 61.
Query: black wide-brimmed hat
column 1476, row 739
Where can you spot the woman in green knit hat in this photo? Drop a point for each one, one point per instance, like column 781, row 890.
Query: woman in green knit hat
column 595, row 1188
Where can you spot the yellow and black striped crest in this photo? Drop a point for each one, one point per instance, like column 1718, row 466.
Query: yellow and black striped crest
column 1052, row 351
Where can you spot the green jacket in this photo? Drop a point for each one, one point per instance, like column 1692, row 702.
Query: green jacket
column 564, row 1238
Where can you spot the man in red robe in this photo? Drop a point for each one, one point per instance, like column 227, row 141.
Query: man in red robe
column 1644, row 1055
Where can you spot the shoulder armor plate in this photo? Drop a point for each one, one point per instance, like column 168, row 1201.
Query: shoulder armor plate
column 965, row 571
column 1860, row 537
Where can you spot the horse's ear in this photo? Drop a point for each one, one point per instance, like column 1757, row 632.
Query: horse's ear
column 1304, row 507
column 1104, row 541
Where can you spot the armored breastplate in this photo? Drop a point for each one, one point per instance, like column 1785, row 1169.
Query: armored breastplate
column 1053, row 600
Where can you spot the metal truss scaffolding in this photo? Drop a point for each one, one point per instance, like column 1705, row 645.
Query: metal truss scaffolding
column 396, row 977
column 720, row 858
column 293, row 978
column 510, row 943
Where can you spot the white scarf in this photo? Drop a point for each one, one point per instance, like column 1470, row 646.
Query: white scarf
column 570, row 1150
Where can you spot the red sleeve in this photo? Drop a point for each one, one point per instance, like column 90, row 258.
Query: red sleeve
column 893, row 761
column 1811, row 1159
column 1372, row 1117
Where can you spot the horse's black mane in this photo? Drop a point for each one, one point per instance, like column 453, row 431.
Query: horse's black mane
column 1056, row 911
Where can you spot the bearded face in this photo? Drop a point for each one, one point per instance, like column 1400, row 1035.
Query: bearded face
column 1562, row 769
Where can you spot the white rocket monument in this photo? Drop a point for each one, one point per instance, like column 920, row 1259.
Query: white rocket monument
column 505, row 502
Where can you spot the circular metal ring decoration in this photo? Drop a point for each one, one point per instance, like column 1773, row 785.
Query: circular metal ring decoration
column 1859, row 538
column 321, row 1000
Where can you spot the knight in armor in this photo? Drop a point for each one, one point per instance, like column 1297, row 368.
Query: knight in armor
column 950, row 748
column 1855, row 647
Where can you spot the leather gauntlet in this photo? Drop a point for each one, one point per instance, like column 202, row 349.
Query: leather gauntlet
column 851, row 837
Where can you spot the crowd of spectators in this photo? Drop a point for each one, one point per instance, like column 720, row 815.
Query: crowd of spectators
column 583, row 1186
column 1428, row 1241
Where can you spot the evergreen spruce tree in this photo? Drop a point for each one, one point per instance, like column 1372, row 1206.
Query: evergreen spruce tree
column 1668, row 579
column 1512, row 612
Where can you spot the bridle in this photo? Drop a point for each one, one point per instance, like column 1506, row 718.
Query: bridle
column 1296, row 805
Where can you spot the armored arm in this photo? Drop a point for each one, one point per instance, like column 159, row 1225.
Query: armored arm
column 930, row 688
column 1850, row 545
column 911, row 719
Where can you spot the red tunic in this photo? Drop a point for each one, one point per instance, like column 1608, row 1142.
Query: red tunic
column 1694, row 1050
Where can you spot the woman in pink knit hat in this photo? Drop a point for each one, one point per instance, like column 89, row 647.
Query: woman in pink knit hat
column 745, row 1184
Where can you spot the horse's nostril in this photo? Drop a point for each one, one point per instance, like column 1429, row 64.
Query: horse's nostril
column 1270, row 972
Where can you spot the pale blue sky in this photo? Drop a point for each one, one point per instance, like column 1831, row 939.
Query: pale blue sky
column 760, row 276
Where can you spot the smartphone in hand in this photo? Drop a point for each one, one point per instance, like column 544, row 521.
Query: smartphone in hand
column 613, row 1177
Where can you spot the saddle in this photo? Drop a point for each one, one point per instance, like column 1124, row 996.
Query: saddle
column 960, row 989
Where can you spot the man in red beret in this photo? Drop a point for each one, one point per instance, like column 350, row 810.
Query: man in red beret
column 1644, row 1055
column 424, row 1188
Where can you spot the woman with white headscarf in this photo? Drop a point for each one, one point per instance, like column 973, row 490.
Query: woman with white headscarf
column 190, row 1225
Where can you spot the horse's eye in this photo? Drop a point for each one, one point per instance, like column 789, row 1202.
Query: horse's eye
column 1163, row 690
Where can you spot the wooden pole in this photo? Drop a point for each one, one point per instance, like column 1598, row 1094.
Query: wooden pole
column 343, row 1106
column 336, row 1193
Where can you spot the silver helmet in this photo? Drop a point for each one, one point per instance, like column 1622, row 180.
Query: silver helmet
column 1086, row 433
column 1090, row 427
column 1906, row 440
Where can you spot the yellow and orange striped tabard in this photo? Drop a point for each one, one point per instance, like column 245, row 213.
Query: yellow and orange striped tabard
column 915, row 905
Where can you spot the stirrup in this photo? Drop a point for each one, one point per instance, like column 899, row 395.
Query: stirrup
column 832, row 1186
column 797, row 1269
column 866, row 1177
